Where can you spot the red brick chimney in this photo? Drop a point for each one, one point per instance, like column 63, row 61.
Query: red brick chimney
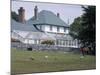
column 36, row 12
column 21, row 17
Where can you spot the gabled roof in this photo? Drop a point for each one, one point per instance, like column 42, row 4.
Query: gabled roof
column 48, row 18
column 22, row 26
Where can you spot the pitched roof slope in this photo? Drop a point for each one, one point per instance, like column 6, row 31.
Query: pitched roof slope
column 47, row 17
column 22, row 26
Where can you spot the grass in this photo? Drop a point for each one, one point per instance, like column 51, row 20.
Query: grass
column 35, row 62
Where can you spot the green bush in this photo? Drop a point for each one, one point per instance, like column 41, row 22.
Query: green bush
column 48, row 42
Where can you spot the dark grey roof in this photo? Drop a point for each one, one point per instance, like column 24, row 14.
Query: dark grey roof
column 47, row 17
column 22, row 26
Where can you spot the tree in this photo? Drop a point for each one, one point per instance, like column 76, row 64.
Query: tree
column 75, row 28
column 14, row 16
column 86, row 27
column 89, row 27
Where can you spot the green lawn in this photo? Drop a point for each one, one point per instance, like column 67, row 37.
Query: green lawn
column 33, row 62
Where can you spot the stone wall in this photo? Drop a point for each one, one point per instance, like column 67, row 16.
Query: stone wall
column 41, row 47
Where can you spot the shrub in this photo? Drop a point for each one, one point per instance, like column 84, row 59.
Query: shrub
column 48, row 42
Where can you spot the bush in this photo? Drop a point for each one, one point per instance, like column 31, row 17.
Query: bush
column 48, row 42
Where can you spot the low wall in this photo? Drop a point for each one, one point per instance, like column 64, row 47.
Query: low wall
column 41, row 47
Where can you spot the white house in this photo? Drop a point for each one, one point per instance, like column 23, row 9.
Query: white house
column 44, row 25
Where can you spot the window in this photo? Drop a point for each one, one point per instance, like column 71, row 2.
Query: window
column 50, row 27
column 57, row 29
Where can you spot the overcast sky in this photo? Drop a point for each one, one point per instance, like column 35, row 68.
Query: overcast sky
column 67, row 11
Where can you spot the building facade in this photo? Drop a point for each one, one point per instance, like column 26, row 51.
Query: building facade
column 44, row 25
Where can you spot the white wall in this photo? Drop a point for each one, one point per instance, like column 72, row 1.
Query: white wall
column 27, row 41
column 61, row 29
column 47, row 28
column 54, row 29
column 31, row 41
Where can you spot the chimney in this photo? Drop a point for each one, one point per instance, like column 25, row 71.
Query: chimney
column 58, row 15
column 36, row 12
column 21, row 16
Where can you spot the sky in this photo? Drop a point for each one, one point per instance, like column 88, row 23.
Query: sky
column 67, row 12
